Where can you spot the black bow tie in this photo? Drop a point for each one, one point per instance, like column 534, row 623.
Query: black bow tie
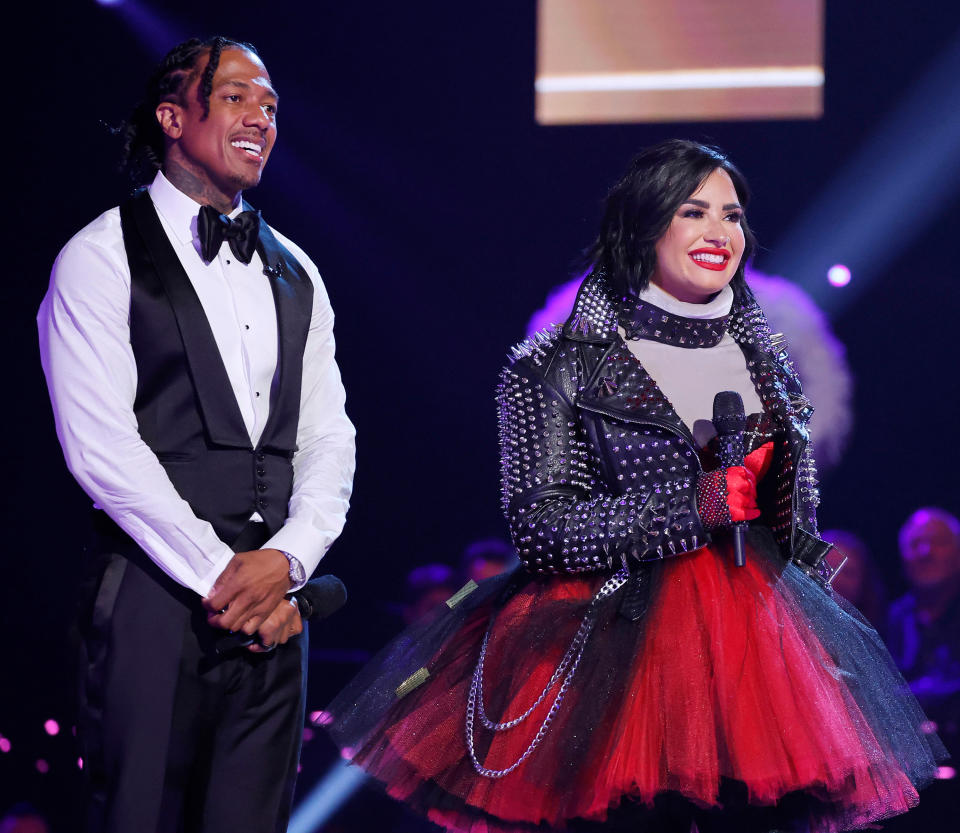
column 241, row 233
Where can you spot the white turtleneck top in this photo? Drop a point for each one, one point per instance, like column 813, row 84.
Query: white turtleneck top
column 691, row 376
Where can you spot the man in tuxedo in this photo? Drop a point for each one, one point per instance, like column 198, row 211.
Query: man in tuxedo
column 189, row 354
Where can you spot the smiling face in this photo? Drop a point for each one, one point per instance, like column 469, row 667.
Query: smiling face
column 213, row 157
column 700, row 251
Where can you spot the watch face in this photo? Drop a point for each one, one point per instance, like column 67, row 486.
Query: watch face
column 296, row 570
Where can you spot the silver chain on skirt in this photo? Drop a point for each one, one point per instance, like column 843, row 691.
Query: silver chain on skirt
column 566, row 669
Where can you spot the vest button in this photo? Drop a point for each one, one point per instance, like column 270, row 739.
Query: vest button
column 261, row 487
column 261, row 471
column 261, row 456
column 261, row 502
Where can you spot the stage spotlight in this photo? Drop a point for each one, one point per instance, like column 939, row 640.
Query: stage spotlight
column 51, row 727
column 4, row 744
column 109, row 2
column 838, row 275
column 42, row 766
column 945, row 773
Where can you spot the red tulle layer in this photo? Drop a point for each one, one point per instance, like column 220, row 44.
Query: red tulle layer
column 723, row 679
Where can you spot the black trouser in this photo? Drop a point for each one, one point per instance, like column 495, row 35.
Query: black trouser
column 176, row 738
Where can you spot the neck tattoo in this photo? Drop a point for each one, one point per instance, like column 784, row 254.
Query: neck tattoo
column 198, row 188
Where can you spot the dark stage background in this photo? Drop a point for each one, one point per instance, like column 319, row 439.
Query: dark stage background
column 410, row 167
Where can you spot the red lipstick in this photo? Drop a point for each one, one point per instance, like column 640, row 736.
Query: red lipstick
column 712, row 264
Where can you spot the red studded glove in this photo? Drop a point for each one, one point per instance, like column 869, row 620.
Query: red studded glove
column 727, row 496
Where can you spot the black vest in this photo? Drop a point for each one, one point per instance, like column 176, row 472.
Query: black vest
column 185, row 407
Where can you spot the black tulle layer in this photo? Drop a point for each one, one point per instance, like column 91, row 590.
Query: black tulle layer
column 747, row 697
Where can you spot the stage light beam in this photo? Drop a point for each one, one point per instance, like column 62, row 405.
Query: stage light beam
column 153, row 30
column 330, row 794
column 911, row 160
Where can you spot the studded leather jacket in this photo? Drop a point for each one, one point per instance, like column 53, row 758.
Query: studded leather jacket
column 598, row 470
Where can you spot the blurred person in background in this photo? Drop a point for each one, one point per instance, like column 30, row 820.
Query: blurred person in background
column 426, row 587
column 859, row 580
column 487, row 557
column 24, row 818
column 924, row 624
column 430, row 585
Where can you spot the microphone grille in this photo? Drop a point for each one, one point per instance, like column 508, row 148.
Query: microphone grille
column 728, row 416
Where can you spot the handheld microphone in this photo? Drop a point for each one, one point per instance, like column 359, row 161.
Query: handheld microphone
column 317, row 599
column 321, row 597
column 730, row 422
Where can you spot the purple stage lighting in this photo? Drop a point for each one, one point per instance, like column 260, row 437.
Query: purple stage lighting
column 42, row 766
column 154, row 31
column 838, row 275
column 4, row 744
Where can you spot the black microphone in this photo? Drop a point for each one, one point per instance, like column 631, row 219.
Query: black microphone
column 317, row 599
column 321, row 597
column 730, row 422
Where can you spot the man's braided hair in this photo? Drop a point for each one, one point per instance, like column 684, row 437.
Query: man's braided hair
column 143, row 149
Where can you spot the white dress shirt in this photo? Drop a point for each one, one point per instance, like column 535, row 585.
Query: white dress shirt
column 84, row 324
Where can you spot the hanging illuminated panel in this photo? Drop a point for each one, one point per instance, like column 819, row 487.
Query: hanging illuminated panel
column 678, row 60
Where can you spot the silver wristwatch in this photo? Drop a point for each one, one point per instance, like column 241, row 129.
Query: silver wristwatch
column 297, row 574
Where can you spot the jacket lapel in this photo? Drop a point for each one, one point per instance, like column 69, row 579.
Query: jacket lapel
column 619, row 385
column 773, row 376
column 293, row 297
column 218, row 405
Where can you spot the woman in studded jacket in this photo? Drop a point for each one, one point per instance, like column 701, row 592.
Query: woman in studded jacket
column 632, row 674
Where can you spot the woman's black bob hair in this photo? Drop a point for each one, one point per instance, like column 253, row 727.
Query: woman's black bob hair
column 639, row 207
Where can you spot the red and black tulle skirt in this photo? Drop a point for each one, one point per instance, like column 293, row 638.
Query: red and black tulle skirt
column 740, row 698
